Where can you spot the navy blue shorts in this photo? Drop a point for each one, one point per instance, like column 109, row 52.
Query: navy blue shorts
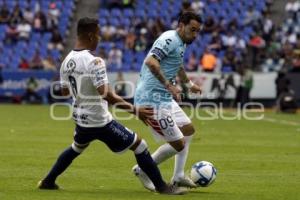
column 117, row 137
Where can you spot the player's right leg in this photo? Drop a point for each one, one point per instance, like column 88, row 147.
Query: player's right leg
column 150, row 169
column 81, row 141
column 119, row 139
column 164, row 127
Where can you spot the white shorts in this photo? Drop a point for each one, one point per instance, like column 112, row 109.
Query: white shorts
column 167, row 121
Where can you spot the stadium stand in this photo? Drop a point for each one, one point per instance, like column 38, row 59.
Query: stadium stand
column 31, row 29
column 142, row 22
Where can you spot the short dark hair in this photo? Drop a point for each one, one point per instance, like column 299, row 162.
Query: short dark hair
column 187, row 16
column 86, row 25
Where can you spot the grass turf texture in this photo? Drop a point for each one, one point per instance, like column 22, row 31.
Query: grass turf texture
column 256, row 160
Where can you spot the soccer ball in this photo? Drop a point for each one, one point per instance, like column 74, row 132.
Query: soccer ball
column 203, row 173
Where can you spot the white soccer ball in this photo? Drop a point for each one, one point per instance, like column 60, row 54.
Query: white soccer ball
column 203, row 173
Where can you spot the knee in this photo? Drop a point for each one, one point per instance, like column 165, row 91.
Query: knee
column 178, row 145
column 140, row 146
column 188, row 130
column 79, row 148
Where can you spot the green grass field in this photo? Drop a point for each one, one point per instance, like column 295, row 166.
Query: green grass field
column 256, row 160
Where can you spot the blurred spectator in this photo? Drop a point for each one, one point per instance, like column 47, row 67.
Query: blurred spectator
column 267, row 25
column 192, row 63
column 208, row 61
column 273, row 63
column 36, row 61
column 233, row 25
column 12, row 34
column 210, row 25
column 241, row 44
column 24, row 65
column 28, row 15
column 290, row 37
column 24, row 29
column 56, row 41
column 230, row 61
column 216, row 42
column 246, row 84
column 120, row 86
column 16, row 16
column 141, row 42
column 252, row 17
column 292, row 7
column 4, row 14
column 108, row 31
column 49, row 63
column 229, row 40
column 115, row 58
column 39, row 22
column 257, row 44
column 120, row 33
column 53, row 12
column 31, row 95
column 130, row 40
column 198, row 6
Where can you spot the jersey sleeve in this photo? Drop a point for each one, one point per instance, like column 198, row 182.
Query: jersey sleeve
column 162, row 47
column 97, row 71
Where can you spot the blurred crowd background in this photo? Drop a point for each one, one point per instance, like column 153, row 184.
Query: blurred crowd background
column 238, row 37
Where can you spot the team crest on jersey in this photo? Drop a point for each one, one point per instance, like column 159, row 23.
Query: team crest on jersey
column 71, row 65
column 98, row 62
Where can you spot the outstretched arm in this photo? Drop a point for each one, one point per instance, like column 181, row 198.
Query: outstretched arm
column 154, row 67
column 187, row 82
column 111, row 97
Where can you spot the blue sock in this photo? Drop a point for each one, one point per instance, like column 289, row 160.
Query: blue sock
column 147, row 164
column 63, row 161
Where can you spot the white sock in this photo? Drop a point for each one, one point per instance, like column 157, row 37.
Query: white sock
column 163, row 153
column 180, row 159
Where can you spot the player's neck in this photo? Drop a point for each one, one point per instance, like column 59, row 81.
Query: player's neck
column 81, row 45
column 180, row 34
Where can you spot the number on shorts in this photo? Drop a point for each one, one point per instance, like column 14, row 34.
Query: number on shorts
column 166, row 122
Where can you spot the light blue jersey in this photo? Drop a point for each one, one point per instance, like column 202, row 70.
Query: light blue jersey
column 169, row 50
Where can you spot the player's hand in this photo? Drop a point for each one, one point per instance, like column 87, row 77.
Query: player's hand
column 174, row 91
column 144, row 113
column 195, row 89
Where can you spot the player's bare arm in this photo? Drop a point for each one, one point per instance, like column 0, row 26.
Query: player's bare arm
column 154, row 67
column 187, row 82
column 111, row 97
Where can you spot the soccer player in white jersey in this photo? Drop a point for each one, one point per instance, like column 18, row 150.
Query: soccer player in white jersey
column 161, row 66
column 86, row 75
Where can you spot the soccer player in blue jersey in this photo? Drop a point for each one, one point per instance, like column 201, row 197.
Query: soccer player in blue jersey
column 161, row 66
column 86, row 75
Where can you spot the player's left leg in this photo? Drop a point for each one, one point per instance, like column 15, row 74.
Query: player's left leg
column 187, row 129
column 64, row 160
